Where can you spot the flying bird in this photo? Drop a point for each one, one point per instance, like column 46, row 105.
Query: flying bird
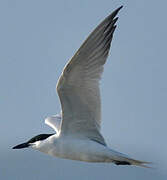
column 77, row 127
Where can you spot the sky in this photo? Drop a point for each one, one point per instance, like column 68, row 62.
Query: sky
column 37, row 38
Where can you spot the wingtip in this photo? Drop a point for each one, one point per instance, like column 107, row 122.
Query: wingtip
column 114, row 13
column 118, row 9
column 121, row 7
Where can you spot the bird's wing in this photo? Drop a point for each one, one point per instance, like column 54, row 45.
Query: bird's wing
column 78, row 86
column 54, row 122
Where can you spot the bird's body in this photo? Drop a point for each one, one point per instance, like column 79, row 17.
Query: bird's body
column 69, row 147
column 75, row 148
column 78, row 135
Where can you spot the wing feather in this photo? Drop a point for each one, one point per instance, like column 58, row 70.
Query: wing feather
column 54, row 122
column 78, row 86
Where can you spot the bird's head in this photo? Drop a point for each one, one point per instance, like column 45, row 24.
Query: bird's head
column 33, row 141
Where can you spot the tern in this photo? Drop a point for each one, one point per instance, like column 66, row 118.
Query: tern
column 77, row 127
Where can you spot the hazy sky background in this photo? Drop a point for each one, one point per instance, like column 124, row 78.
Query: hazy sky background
column 37, row 38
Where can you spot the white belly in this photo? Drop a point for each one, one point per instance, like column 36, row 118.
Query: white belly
column 78, row 149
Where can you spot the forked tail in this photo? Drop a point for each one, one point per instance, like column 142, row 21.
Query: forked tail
column 129, row 161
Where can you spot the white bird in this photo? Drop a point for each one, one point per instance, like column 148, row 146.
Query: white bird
column 77, row 128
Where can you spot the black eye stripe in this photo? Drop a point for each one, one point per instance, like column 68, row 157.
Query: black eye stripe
column 39, row 137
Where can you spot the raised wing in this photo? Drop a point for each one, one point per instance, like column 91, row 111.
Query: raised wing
column 78, row 86
column 54, row 122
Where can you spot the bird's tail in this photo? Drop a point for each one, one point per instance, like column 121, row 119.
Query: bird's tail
column 129, row 161
column 122, row 159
